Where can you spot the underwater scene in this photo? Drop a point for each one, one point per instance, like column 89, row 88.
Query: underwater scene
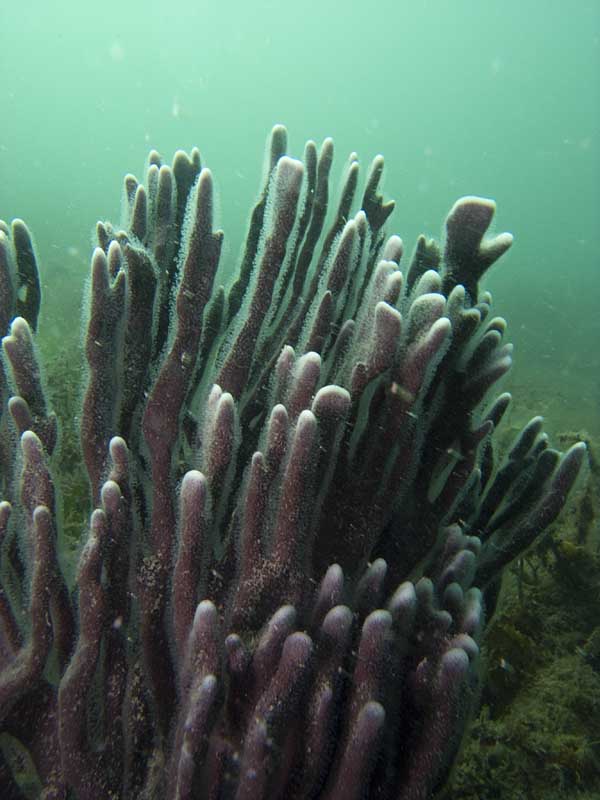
column 300, row 400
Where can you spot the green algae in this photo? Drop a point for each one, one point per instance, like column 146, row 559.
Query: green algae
column 538, row 732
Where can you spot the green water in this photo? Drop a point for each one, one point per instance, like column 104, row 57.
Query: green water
column 500, row 99
column 487, row 97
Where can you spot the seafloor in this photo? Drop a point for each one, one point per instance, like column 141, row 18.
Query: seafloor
column 537, row 735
